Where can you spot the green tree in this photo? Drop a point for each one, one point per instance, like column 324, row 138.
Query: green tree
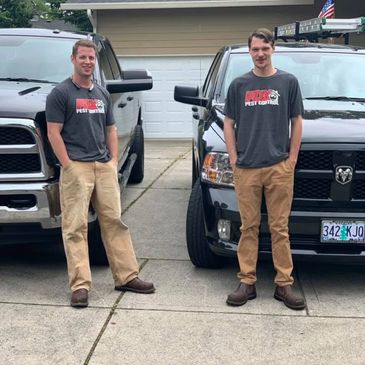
column 18, row 13
column 77, row 17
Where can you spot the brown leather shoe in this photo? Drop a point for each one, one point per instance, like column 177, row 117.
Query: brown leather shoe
column 242, row 294
column 79, row 298
column 137, row 286
column 291, row 299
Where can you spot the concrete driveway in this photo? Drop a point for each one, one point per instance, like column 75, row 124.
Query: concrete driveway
column 186, row 321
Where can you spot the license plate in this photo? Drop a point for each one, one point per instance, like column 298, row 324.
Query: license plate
column 343, row 231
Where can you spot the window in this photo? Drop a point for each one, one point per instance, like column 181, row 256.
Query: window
column 212, row 76
column 106, row 70
column 114, row 64
column 46, row 59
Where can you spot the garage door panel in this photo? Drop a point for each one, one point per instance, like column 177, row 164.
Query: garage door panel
column 163, row 117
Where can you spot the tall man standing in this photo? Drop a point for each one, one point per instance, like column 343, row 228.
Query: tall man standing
column 83, row 136
column 258, row 109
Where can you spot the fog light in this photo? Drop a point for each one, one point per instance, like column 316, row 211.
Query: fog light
column 224, row 229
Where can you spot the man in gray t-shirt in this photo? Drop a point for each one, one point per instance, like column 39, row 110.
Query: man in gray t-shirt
column 83, row 136
column 260, row 106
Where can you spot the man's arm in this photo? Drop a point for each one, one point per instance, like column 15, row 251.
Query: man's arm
column 295, row 138
column 230, row 138
column 112, row 142
column 58, row 146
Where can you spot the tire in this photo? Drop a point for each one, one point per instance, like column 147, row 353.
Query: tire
column 199, row 252
column 137, row 172
column 97, row 254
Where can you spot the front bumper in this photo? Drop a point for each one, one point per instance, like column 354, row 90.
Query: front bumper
column 30, row 202
column 304, row 228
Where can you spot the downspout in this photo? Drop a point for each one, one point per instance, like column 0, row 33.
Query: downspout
column 93, row 19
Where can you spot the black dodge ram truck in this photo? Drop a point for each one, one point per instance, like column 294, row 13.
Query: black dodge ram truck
column 328, row 211
column 33, row 61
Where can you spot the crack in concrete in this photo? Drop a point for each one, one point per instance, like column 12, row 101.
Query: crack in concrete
column 180, row 157
column 106, row 323
column 118, row 300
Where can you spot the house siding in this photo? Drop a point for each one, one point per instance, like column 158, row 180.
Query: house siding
column 189, row 31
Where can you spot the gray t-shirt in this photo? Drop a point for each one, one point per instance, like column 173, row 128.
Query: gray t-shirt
column 84, row 113
column 261, row 108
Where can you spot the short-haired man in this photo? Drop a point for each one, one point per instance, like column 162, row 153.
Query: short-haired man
column 258, row 109
column 84, row 138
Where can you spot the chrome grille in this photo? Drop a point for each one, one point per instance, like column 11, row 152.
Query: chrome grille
column 14, row 135
column 22, row 154
column 19, row 163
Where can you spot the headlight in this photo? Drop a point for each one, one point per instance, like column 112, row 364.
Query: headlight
column 217, row 169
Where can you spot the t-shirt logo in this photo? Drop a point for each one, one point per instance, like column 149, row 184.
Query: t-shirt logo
column 262, row 97
column 90, row 106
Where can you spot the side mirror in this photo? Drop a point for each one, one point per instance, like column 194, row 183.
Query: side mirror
column 189, row 95
column 132, row 80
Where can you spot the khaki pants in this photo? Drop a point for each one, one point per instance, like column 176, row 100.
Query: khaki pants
column 80, row 183
column 277, row 184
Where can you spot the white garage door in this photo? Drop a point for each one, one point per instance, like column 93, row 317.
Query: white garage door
column 163, row 117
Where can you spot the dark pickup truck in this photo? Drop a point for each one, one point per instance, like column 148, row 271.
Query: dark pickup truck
column 328, row 213
column 33, row 61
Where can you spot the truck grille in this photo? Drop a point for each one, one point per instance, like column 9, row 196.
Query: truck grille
column 22, row 154
column 324, row 160
column 358, row 189
column 14, row 135
column 317, row 184
column 315, row 160
column 19, row 163
column 360, row 161
column 312, row 188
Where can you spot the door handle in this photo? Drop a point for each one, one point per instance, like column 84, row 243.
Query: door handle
column 194, row 108
column 130, row 98
column 122, row 105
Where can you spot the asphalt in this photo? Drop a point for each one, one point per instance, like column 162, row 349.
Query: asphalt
column 187, row 320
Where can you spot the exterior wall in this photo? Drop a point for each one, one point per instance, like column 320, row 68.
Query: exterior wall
column 189, row 31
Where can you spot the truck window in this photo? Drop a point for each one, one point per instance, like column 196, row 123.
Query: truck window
column 114, row 64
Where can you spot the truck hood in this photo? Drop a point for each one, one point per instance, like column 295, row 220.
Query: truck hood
column 23, row 99
column 323, row 121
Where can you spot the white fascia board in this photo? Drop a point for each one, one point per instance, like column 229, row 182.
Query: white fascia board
column 182, row 4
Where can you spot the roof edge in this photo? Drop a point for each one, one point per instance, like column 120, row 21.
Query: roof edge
column 181, row 4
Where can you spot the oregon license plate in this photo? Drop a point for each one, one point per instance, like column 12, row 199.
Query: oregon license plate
column 343, row 231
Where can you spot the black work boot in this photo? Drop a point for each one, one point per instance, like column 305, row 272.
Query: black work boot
column 241, row 295
column 291, row 299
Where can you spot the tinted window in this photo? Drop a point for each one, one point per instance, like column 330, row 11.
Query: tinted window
column 114, row 64
column 104, row 65
column 212, row 76
column 319, row 74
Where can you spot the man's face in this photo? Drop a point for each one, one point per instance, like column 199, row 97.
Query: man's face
column 84, row 61
column 261, row 53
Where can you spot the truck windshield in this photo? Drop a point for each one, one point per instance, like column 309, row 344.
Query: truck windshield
column 321, row 75
column 35, row 58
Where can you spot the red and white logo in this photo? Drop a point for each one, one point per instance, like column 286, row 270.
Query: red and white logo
column 262, row 97
column 90, row 106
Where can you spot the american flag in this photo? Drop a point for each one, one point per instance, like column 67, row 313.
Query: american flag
column 328, row 10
